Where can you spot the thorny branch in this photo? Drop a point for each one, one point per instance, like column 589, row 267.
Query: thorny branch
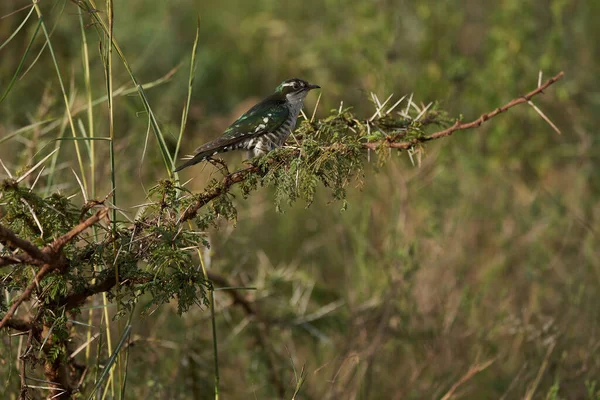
column 461, row 126
column 228, row 181
column 9, row 239
column 50, row 256
column 240, row 176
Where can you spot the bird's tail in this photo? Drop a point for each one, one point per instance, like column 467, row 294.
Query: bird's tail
column 194, row 160
column 220, row 145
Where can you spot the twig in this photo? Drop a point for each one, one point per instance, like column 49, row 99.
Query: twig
column 206, row 197
column 459, row 126
column 60, row 242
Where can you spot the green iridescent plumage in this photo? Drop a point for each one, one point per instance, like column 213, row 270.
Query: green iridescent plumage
column 262, row 128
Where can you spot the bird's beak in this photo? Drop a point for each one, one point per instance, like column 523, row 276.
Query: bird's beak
column 310, row 87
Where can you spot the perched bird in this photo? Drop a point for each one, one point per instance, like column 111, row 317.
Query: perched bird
column 264, row 127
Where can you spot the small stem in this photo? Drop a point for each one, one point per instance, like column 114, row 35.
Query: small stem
column 214, row 325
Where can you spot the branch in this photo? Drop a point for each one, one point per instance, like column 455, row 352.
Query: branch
column 8, row 238
column 74, row 300
column 60, row 242
column 262, row 334
column 22, row 325
column 19, row 259
column 240, row 176
column 460, row 126
column 228, row 181
column 54, row 260
column 26, row 294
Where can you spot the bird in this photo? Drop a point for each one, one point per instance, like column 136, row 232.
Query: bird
column 264, row 127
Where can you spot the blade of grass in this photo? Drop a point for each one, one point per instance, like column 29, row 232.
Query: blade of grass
column 22, row 62
column 52, row 168
column 213, row 322
column 108, row 333
column 157, row 132
column 186, row 108
column 74, row 134
column 85, row 136
column 90, row 109
column 111, row 361
column 106, row 28
column 24, row 129
column 92, row 153
column 126, row 91
column 41, row 51
column 142, row 158
column 62, row 86
column 102, row 139
column 111, row 120
column 126, row 358
column 12, row 36
column 111, row 129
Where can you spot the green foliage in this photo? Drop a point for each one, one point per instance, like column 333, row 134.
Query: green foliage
column 488, row 251
column 41, row 219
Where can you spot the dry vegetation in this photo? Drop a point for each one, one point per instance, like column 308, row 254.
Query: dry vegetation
column 462, row 270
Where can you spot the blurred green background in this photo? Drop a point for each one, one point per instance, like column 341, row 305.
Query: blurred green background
column 474, row 275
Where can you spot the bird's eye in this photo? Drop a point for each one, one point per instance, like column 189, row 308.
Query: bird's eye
column 296, row 86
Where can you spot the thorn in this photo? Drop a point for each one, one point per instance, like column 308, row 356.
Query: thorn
column 423, row 111
column 395, row 105
column 408, row 106
column 35, row 166
column 544, row 117
column 6, row 169
column 312, row 118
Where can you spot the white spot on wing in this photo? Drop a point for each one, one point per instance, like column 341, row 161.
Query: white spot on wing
column 265, row 120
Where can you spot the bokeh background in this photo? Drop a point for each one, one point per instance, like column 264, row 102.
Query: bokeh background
column 475, row 275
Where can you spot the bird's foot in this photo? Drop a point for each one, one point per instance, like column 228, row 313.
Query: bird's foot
column 220, row 164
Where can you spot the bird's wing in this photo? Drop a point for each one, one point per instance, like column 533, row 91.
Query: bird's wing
column 266, row 116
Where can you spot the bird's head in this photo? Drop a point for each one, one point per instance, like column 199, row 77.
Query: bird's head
column 295, row 89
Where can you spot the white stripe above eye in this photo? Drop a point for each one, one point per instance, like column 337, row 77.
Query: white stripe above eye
column 288, row 84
